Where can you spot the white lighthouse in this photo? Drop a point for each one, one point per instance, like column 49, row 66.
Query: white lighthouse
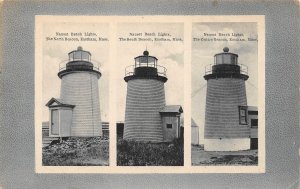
column 226, row 126
column 77, row 111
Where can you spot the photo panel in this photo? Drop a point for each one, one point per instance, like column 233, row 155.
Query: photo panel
column 226, row 104
column 73, row 94
column 150, row 126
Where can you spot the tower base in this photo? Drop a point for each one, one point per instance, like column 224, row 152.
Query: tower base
column 226, row 144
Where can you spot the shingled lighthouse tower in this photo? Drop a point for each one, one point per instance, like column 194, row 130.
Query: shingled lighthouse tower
column 226, row 127
column 145, row 99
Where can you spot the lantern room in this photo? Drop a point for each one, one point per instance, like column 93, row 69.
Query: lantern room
column 80, row 54
column 145, row 60
column 146, row 66
column 226, row 66
column 79, row 60
column 226, row 57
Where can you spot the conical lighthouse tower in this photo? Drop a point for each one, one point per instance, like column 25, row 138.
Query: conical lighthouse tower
column 145, row 99
column 77, row 112
column 226, row 126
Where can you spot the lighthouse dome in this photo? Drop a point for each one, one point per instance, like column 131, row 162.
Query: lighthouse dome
column 226, row 49
column 146, row 53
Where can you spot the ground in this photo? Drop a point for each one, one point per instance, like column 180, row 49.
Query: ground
column 201, row 157
column 133, row 153
column 77, row 151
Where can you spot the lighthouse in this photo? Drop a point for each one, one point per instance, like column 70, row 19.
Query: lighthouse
column 147, row 118
column 226, row 123
column 77, row 111
column 145, row 98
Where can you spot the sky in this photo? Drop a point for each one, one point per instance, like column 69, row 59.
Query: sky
column 170, row 55
column 203, row 54
column 56, row 52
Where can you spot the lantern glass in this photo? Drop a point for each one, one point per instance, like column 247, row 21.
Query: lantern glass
column 146, row 61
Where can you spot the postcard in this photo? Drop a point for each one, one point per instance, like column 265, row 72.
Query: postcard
column 149, row 94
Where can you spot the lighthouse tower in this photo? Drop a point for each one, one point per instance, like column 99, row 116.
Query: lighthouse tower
column 145, row 99
column 77, row 112
column 226, row 125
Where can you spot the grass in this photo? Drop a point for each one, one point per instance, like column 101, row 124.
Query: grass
column 206, row 158
column 133, row 153
column 77, row 151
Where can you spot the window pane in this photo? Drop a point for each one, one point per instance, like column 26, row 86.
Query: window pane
column 243, row 120
column 219, row 59
column 242, row 112
column 226, row 59
column 77, row 55
column 243, row 115
column 233, row 59
column 254, row 122
column 85, row 56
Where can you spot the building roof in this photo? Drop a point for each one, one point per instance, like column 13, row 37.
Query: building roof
column 172, row 109
column 55, row 102
column 252, row 108
column 45, row 124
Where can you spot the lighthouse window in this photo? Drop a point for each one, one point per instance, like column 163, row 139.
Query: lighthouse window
column 254, row 122
column 218, row 59
column 77, row 56
column 85, row 56
column 252, row 112
column 233, row 59
column 243, row 115
column 143, row 59
column 226, row 58
column 169, row 126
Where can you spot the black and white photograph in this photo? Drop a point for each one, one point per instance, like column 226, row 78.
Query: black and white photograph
column 224, row 95
column 167, row 94
column 75, row 92
column 150, row 94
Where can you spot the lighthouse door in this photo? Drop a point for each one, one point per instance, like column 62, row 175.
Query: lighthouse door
column 54, row 122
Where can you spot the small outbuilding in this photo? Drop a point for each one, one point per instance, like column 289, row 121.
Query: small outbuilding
column 170, row 117
column 60, row 122
column 253, row 123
